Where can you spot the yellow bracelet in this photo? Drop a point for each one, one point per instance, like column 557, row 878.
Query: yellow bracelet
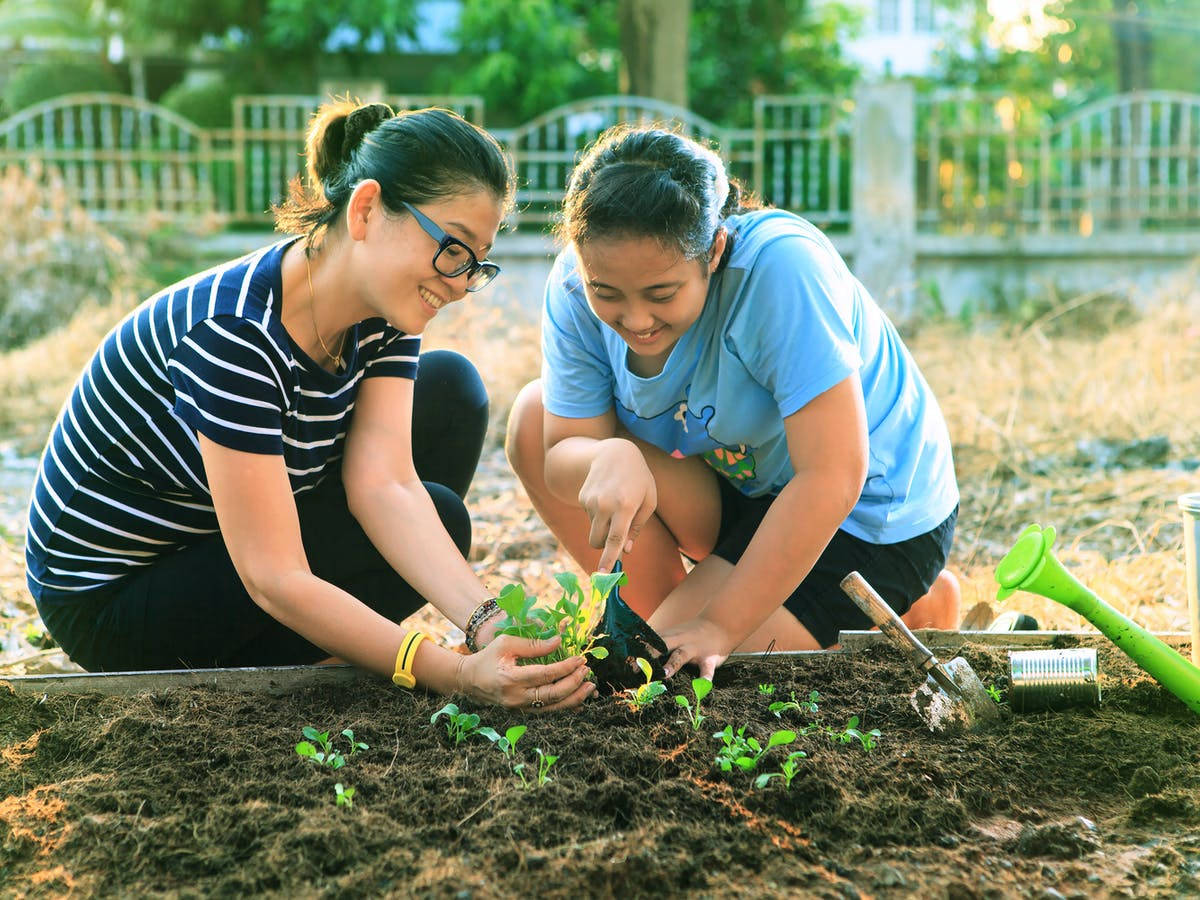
column 404, row 660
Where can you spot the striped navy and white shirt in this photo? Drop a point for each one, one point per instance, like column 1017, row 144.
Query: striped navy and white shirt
column 121, row 482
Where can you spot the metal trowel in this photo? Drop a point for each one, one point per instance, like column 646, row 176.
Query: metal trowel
column 952, row 697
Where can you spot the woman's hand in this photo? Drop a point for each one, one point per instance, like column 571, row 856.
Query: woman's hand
column 494, row 675
column 619, row 496
column 697, row 641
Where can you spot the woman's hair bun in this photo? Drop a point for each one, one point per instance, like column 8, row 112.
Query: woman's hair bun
column 336, row 130
column 362, row 122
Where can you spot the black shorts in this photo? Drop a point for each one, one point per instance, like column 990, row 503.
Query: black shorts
column 901, row 573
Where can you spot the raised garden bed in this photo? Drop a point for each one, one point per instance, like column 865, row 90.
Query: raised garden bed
column 198, row 791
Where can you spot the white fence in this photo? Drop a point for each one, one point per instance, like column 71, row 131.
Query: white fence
column 984, row 164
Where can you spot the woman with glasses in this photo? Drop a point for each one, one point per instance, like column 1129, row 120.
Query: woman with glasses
column 717, row 385
column 259, row 468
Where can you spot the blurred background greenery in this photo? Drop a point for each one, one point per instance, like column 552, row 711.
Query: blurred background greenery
column 527, row 56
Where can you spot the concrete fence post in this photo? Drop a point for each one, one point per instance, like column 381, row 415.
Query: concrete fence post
column 883, row 204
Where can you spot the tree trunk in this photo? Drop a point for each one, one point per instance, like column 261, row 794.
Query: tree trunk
column 1133, row 45
column 654, row 48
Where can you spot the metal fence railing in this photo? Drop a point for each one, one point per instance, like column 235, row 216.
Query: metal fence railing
column 985, row 163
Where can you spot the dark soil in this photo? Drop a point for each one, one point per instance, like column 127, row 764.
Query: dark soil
column 200, row 793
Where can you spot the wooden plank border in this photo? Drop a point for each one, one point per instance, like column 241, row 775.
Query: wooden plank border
column 278, row 680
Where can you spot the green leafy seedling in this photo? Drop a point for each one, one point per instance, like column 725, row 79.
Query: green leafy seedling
column 355, row 745
column 574, row 616
column 868, row 739
column 809, row 706
column 643, row 695
column 542, row 778
column 507, row 742
column 766, row 689
column 994, row 693
column 787, row 770
column 325, row 755
column 459, row 725
column 345, row 795
column 743, row 752
column 700, row 689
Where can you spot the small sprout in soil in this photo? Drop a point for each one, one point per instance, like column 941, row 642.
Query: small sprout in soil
column 507, row 742
column 459, row 725
column 766, row 689
column 355, row 745
column 643, row 695
column 994, row 693
column 787, row 770
column 545, row 761
column 779, row 707
column 700, row 689
column 744, row 752
column 852, row 733
column 345, row 795
column 326, row 755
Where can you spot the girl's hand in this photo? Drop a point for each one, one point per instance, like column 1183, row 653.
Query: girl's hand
column 619, row 496
column 493, row 675
column 697, row 641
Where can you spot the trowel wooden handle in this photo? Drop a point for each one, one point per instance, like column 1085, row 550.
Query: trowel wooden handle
column 877, row 610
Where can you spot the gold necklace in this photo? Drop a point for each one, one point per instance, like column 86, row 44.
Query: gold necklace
column 312, row 309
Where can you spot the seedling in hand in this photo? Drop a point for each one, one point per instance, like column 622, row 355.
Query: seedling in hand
column 507, row 742
column 779, row 707
column 644, row 694
column 851, row 733
column 700, row 689
column 787, row 770
column 459, row 725
column 345, row 795
column 326, row 755
column 574, row 616
column 744, row 752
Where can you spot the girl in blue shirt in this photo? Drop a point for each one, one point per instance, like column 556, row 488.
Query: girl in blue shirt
column 717, row 386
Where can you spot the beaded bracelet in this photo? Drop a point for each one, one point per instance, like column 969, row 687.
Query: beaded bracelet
column 484, row 611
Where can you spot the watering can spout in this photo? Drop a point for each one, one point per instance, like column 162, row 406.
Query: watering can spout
column 1031, row 566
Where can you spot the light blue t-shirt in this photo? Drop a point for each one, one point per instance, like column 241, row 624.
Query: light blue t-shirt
column 783, row 322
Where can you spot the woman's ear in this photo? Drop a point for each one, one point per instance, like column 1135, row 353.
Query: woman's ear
column 362, row 205
column 718, row 250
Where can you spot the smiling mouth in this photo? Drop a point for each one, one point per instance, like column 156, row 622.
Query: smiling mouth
column 431, row 298
column 646, row 336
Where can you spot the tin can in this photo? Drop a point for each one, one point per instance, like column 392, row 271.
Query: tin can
column 1053, row 679
column 1189, row 506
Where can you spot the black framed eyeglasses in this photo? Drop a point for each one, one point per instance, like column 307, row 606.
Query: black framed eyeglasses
column 453, row 257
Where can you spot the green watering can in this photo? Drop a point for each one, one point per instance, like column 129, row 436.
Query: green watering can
column 1031, row 566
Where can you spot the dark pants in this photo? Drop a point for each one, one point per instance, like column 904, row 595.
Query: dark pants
column 901, row 573
column 191, row 610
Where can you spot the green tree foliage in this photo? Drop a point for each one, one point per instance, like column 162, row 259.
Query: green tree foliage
column 532, row 55
column 1097, row 48
column 741, row 48
column 528, row 56
column 55, row 77
column 262, row 33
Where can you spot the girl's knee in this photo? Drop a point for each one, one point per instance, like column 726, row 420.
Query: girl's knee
column 454, row 515
column 523, row 439
column 454, row 377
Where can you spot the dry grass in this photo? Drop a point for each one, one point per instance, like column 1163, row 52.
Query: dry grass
column 1017, row 402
